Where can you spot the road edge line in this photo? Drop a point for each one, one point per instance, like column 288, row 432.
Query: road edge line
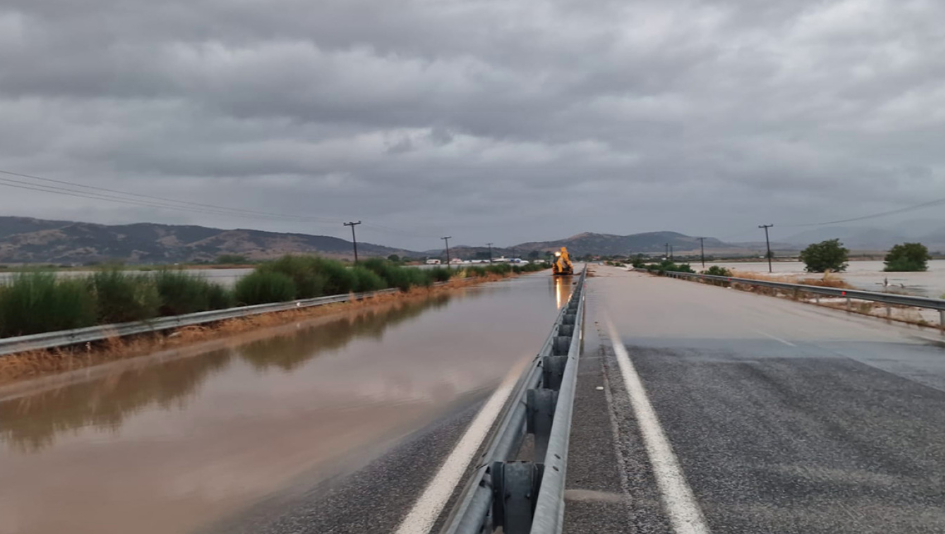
column 428, row 507
column 680, row 503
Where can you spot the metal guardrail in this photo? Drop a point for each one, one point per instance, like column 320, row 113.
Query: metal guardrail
column 527, row 497
column 63, row 338
column 892, row 299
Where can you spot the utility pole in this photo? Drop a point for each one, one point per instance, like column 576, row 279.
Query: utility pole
column 490, row 252
column 354, row 239
column 768, row 243
column 666, row 255
column 702, row 250
column 447, row 239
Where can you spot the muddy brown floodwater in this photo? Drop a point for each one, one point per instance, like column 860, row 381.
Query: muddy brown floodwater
column 172, row 441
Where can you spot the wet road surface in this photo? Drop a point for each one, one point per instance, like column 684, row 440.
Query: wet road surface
column 278, row 431
column 779, row 417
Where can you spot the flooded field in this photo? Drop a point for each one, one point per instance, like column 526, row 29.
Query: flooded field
column 171, row 442
column 866, row 275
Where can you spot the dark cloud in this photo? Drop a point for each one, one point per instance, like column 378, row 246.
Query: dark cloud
column 487, row 120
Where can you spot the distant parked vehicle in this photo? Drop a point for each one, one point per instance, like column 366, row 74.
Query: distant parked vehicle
column 433, row 262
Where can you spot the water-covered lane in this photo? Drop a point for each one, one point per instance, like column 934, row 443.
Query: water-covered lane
column 174, row 445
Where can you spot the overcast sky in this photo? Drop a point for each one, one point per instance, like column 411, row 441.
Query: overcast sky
column 487, row 120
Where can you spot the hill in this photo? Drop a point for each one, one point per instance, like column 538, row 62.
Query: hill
column 26, row 240
column 645, row 243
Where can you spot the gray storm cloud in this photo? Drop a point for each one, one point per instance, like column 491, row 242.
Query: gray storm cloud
column 499, row 121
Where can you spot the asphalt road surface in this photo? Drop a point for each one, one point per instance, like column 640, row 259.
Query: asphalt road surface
column 705, row 409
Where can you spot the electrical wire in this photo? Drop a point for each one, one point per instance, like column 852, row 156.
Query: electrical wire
column 167, row 200
column 128, row 201
column 79, row 190
column 873, row 216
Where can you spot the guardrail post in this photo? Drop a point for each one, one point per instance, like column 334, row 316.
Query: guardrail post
column 540, row 405
column 515, row 488
column 552, row 369
column 941, row 320
column 561, row 345
column 849, row 304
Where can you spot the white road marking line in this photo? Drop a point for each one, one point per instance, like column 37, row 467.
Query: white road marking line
column 426, row 510
column 683, row 510
column 788, row 343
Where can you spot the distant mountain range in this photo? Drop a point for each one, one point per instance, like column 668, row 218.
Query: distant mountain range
column 645, row 243
column 26, row 240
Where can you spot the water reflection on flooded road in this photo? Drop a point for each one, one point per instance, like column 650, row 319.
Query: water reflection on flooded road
column 171, row 442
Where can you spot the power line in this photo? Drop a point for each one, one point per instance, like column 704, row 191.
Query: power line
column 79, row 190
column 875, row 215
column 161, row 200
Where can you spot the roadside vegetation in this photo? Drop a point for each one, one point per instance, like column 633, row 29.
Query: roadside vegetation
column 826, row 256
column 41, row 301
column 668, row 266
column 717, row 270
column 907, row 257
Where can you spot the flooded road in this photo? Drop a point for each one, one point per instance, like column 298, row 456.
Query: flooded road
column 865, row 275
column 175, row 441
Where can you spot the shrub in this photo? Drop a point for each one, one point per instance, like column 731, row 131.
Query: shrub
column 499, row 268
column 668, row 266
column 180, row 292
column 475, row 272
column 37, row 302
column 183, row 292
column 441, row 274
column 829, row 255
column 262, row 286
column 400, row 277
column 907, row 257
column 716, row 270
column 307, row 281
column 367, row 280
column 219, row 297
column 122, row 297
column 339, row 279
column 416, row 278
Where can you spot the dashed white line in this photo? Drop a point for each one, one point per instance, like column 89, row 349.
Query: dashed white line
column 683, row 510
column 788, row 343
column 425, row 511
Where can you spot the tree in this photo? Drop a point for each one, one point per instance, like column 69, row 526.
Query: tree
column 827, row 255
column 394, row 258
column 907, row 257
column 533, row 255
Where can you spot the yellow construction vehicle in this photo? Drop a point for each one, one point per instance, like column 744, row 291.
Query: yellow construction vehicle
column 562, row 264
